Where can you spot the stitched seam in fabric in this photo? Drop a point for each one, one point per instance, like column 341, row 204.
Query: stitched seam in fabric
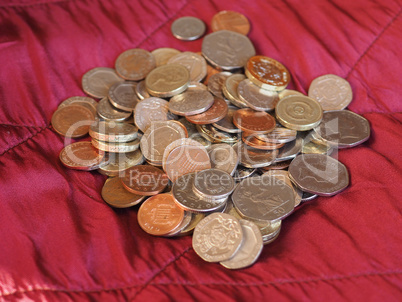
column 274, row 283
column 25, row 126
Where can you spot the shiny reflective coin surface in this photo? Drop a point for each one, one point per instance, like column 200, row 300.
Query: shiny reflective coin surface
column 195, row 64
column 184, row 223
column 226, row 124
column 264, row 198
column 113, row 132
column 215, row 113
column 331, row 91
column 72, row 121
column 267, row 73
column 214, row 135
column 116, row 147
column 215, row 83
column 213, row 183
column 298, row 112
column 150, row 110
column 217, row 237
column 159, row 215
column 290, row 150
column 277, row 165
column 227, row 50
column 229, row 90
column 135, row 64
column 188, row 28
column 223, row 157
column 97, row 81
column 162, row 55
column 114, row 194
column 286, row 92
column 254, row 158
column 141, row 90
column 308, row 196
column 313, row 148
column 253, row 121
column 193, row 86
column 343, row 129
column 81, row 156
column 318, row 174
column 191, row 103
column 250, row 248
column 255, row 97
column 253, row 141
column 123, row 96
column 230, row 20
column 110, row 113
column 144, row 180
column 279, row 135
column 118, row 162
column 243, row 172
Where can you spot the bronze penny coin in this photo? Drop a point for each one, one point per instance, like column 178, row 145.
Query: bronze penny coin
column 82, row 156
column 318, row 174
column 144, row 180
column 254, row 142
column 226, row 124
column 215, row 113
column 267, row 73
column 85, row 101
column 114, row 194
column 253, row 121
column 123, row 96
column 159, row 215
column 72, row 121
column 230, row 20
column 135, row 64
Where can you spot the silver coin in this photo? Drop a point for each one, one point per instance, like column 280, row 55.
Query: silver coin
column 188, row 28
column 290, row 150
column 271, row 231
column 227, row 50
column 216, row 82
column 123, row 96
column 226, row 124
column 255, row 97
column 184, row 223
column 150, row 110
column 135, row 64
column 193, row 133
column 223, row 157
column 119, row 162
column 318, row 174
column 250, row 248
column 283, row 176
column 116, row 147
column 279, row 135
column 194, row 86
column 215, row 135
column 195, row 64
column 97, row 81
column 162, row 55
column 254, row 158
column 110, row 113
column 213, row 183
column 308, row 196
column 243, row 172
column 343, row 129
column 113, row 132
column 141, row 90
column 263, row 198
column 217, row 237
column 191, row 103
column 186, row 198
column 230, row 90
column 177, row 143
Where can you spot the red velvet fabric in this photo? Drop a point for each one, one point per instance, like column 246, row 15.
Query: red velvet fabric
column 59, row 241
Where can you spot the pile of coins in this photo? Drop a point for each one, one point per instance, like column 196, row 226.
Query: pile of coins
column 210, row 143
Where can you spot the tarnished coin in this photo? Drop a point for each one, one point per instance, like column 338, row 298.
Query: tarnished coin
column 97, row 81
column 141, row 90
column 81, row 156
column 254, row 158
column 85, row 101
column 243, row 172
column 343, row 129
column 162, row 55
column 229, row 90
column 191, row 103
column 230, row 20
column 158, row 136
column 331, row 91
column 195, row 64
column 135, row 64
column 253, row 121
column 215, row 113
column 188, row 28
column 227, row 50
column 216, row 82
column 279, row 135
column 226, row 124
column 186, row 159
column 223, row 157
column 113, row 132
column 116, row 147
column 167, row 80
column 290, row 150
column 144, row 180
column 308, row 196
column 255, row 97
column 267, row 73
column 159, row 215
column 114, row 194
column 110, row 113
column 286, row 92
column 217, row 237
column 72, row 121
column 150, row 110
column 250, row 248
column 298, row 112
column 178, row 143
column 119, row 162
column 318, row 174
column 263, row 198
column 123, row 96
column 213, row 183
column 253, row 141
column 214, row 135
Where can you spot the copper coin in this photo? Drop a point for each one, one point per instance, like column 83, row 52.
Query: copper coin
column 175, row 144
column 214, row 114
column 267, row 73
column 279, row 135
column 230, row 20
column 159, row 215
column 226, row 124
column 82, row 156
column 135, row 64
column 210, row 72
column 123, row 96
column 253, row 121
column 150, row 110
column 113, row 132
column 117, row 196
column 97, row 81
column 72, row 121
column 85, row 101
column 110, row 113
column 145, row 180
column 215, row 83
column 254, row 142
column 254, row 158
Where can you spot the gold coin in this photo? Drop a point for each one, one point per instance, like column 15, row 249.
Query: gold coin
column 114, row 194
column 298, row 112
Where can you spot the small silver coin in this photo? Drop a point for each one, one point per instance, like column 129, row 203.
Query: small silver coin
column 188, row 28
column 123, row 96
column 110, row 113
column 279, row 135
column 290, row 150
column 226, row 124
column 243, row 172
column 191, row 103
column 213, row 183
column 216, row 82
column 255, row 97
column 229, row 90
column 308, row 196
column 184, row 223
column 195, row 64
column 254, row 158
column 150, row 110
column 223, row 157
column 119, row 162
column 215, row 135
column 97, row 81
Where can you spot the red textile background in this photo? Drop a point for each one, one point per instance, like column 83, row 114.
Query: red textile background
column 60, row 241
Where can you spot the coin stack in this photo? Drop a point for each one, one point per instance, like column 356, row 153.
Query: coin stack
column 211, row 142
